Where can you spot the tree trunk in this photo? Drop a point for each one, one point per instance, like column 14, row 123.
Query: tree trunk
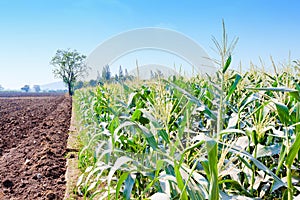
column 70, row 89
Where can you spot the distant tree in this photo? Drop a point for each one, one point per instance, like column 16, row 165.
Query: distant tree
column 156, row 75
column 106, row 74
column 130, row 77
column 121, row 75
column 78, row 85
column 126, row 73
column 127, row 76
column 93, row 83
column 159, row 74
column 26, row 88
column 69, row 66
column 152, row 76
column 1, row 88
column 37, row 88
column 116, row 78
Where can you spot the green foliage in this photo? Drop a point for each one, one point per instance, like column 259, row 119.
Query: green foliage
column 212, row 151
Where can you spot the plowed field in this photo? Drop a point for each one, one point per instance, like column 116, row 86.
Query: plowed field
column 33, row 137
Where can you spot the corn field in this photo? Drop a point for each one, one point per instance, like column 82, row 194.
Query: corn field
column 230, row 135
column 173, row 139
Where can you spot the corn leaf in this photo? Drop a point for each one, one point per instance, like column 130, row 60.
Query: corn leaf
column 227, row 64
column 238, row 78
column 275, row 89
column 148, row 136
column 192, row 98
column 91, row 186
column 212, row 150
column 129, row 182
column 293, row 151
column 283, row 113
column 122, row 178
column 180, row 182
column 271, row 150
column 119, row 162
column 278, row 182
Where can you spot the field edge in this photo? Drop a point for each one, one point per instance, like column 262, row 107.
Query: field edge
column 72, row 171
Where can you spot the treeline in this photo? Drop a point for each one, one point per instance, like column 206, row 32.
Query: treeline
column 26, row 88
column 105, row 77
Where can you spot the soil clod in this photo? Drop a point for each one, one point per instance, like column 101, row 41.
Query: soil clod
column 8, row 183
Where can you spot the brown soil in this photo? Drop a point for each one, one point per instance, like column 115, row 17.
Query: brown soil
column 33, row 137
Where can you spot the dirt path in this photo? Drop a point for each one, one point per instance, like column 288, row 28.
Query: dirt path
column 33, row 135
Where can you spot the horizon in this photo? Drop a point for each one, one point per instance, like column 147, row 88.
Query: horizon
column 33, row 30
column 56, row 85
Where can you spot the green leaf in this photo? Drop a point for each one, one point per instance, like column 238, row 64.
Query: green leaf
column 159, row 165
column 226, row 64
column 79, row 181
column 281, row 158
column 252, row 134
column 180, row 182
column 283, row 113
column 92, row 186
column 136, row 115
column 164, row 135
column 246, row 163
column 271, row 150
column 293, row 151
column 235, row 185
column 131, row 99
column 128, row 187
column 251, row 98
column 113, row 124
column 295, row 95
column 212, row 150
column 234, row 85
column 232, row 130
column 275, row 89
column 122, row 178
column 119, row 162
column 148, row 136
column 205, row 166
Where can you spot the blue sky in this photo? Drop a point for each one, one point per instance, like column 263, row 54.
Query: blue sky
column 32, row 30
